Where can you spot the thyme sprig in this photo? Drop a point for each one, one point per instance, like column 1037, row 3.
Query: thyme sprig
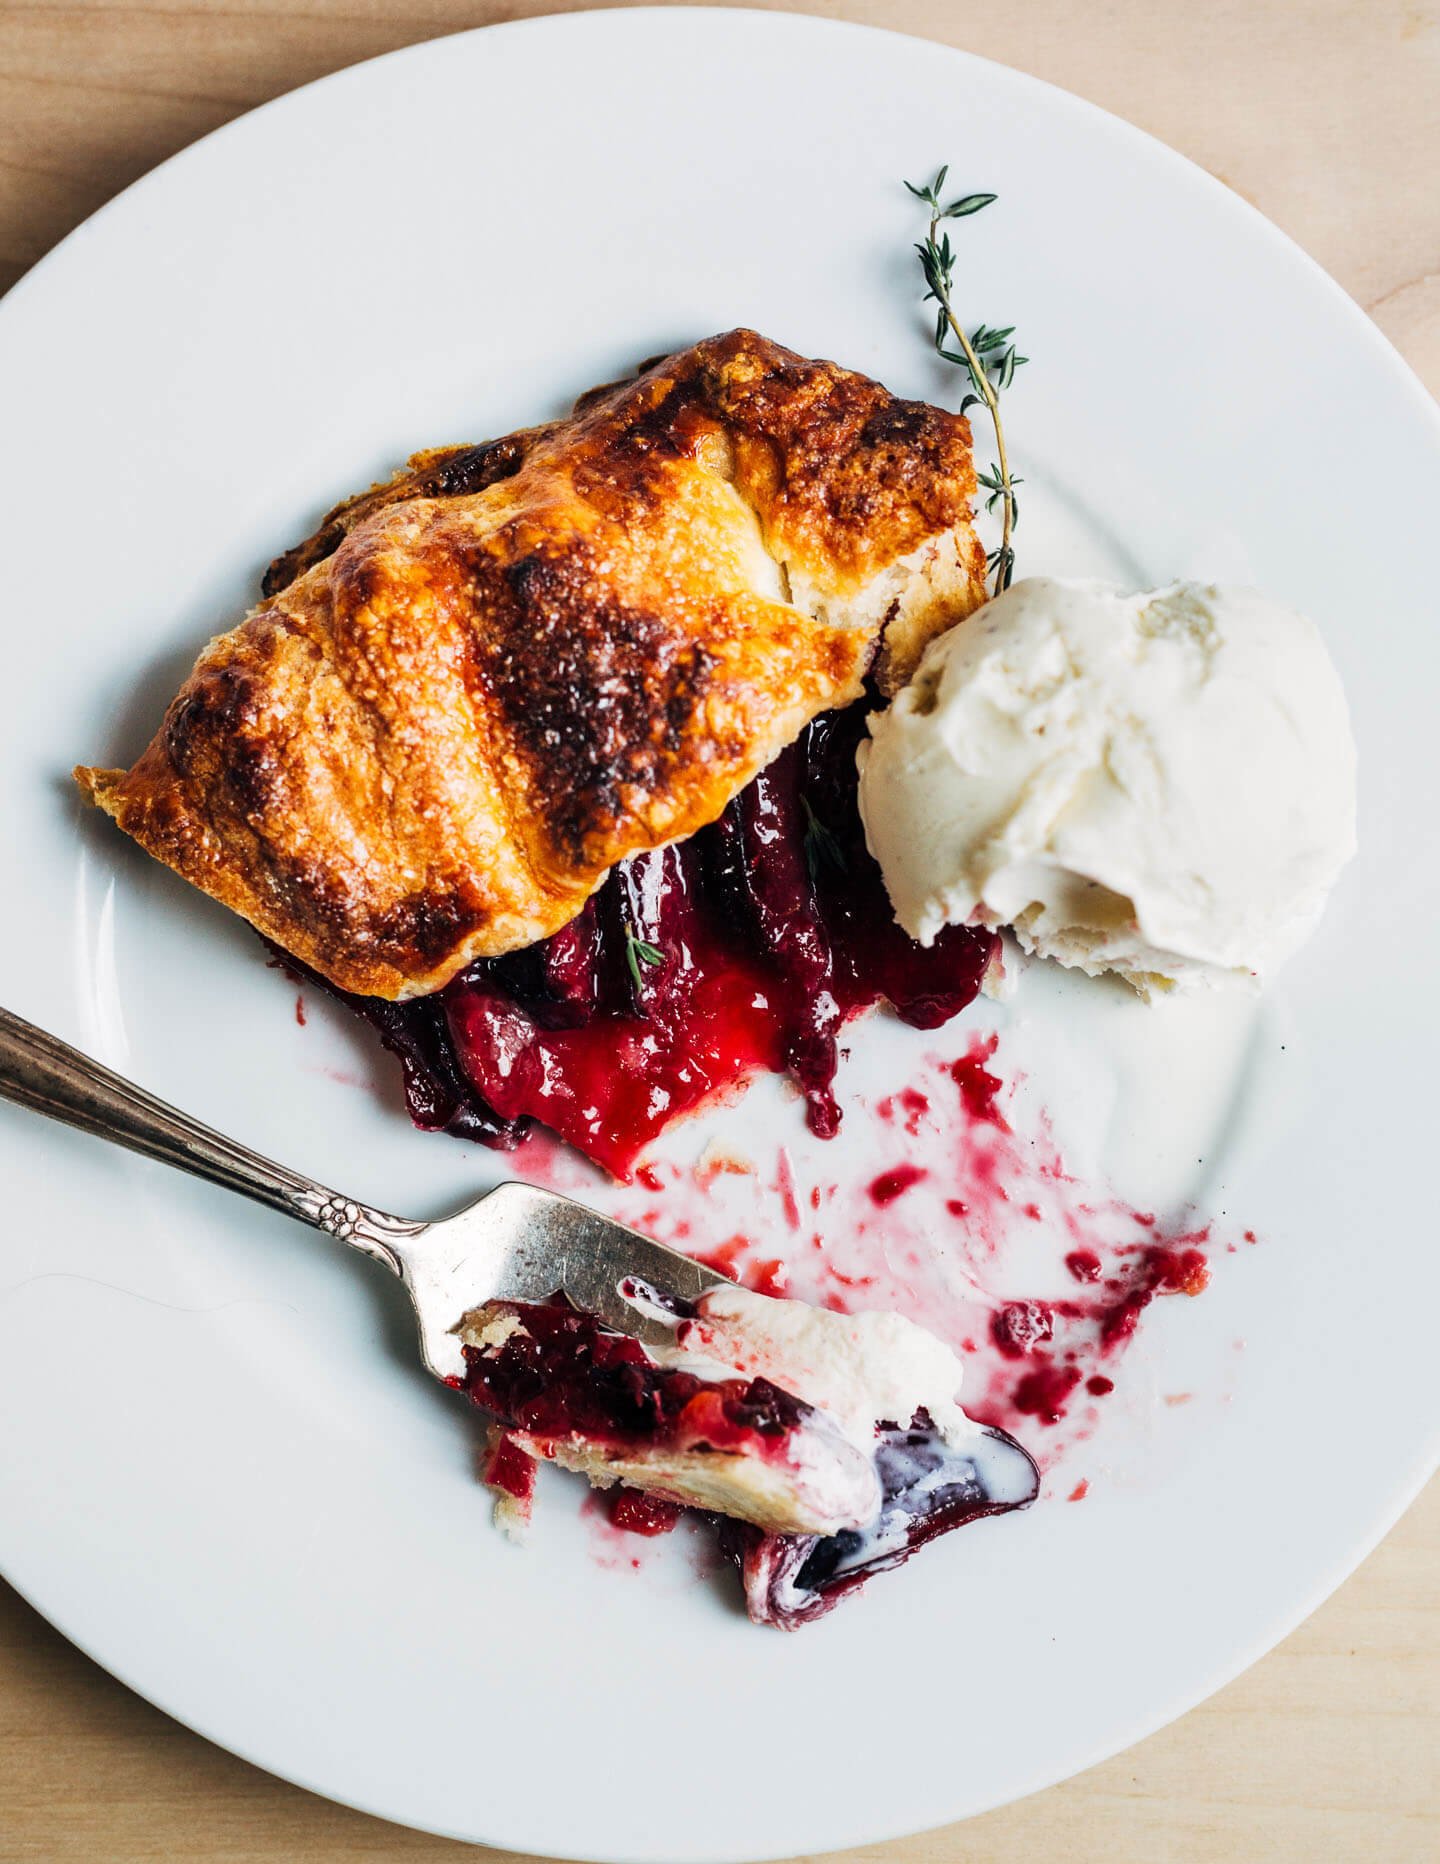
column 821, row 845
column 988, row 357
column 638, row 952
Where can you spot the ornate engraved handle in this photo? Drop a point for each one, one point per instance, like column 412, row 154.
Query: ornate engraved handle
column 41, row 1072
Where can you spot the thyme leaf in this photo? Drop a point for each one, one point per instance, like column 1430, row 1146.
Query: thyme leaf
column 967, row 204
column 821, row 846
column 638, row 952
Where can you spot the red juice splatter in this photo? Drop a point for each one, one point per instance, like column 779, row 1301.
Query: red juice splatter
column 725, row 1258
column 1020, row 1326
column 610, row 1546
column 771, row 1278
column 909, row 1104
column 947, row 1252
column 785, row 1185
column 895, row 1183
column 1045, row 1392
column 636, row 1513
column 1158, row 1271
column 978, row 1087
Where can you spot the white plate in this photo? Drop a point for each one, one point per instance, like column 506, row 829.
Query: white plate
column 219, row 1471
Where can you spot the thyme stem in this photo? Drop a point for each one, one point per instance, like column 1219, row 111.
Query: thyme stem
column 980, row 352
column 986, row 388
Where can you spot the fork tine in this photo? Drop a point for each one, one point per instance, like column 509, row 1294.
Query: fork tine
column 522, row 1243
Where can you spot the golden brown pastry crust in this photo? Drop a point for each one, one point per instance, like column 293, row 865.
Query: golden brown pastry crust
column 479, row 686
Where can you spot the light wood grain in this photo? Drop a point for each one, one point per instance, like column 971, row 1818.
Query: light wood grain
column 1326, row 115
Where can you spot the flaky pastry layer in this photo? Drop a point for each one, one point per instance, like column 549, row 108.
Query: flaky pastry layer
column 479, row 686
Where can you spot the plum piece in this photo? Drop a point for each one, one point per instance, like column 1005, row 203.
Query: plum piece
column 572, row 960
column 654, row 911
column 767, row 863
column 438, row 1095
column 875, row 957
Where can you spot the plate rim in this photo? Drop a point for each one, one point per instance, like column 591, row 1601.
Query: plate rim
column 557, row 26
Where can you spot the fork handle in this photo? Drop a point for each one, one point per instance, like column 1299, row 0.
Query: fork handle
column 43, row 1073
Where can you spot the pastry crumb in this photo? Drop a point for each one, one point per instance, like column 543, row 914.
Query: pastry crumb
column 717, row 1160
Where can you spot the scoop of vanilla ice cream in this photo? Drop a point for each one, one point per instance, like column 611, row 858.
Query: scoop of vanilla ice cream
column 1161, row 784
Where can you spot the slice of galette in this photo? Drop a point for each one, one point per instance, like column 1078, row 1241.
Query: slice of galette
column 508, row 756
column 826, row 1447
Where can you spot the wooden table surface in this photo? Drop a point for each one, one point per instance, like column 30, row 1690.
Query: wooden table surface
column 1326, row 115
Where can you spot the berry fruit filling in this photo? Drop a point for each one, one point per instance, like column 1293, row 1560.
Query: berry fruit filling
column 747, row 947
column 558, row 1373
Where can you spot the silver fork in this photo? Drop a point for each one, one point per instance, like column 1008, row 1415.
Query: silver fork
column 517, row 1243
